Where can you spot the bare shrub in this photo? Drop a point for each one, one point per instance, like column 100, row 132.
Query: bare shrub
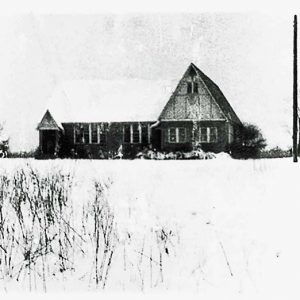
column 104, row 234
column 36, row 224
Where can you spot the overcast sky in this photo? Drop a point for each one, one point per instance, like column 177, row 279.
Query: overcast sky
column 248, row 55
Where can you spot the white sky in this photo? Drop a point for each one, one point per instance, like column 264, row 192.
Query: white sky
column 249, row 55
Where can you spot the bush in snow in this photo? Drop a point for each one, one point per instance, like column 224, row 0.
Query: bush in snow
column 276, row 152
column 249, row 142
column 194, row 154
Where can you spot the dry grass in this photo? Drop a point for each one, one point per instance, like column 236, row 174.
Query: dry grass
column 45, row 238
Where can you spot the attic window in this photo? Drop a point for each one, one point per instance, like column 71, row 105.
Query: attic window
column 195, row 87
column 192, row 87
column 189, row 87
column 192, row 72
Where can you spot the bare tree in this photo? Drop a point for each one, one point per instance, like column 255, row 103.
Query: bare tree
column 4, row 143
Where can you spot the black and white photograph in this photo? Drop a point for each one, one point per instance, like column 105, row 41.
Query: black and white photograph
column 149, row 152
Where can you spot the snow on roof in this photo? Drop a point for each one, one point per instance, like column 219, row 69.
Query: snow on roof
column 109, row 100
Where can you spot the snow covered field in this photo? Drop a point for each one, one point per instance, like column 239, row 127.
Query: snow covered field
column 198, row 226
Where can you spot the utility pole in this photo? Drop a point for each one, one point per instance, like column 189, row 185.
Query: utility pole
column 295, row 95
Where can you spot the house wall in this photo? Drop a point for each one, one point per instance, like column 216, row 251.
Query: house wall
column 185, row 105
column 114, row 139
column 192, row 136
column 48, row 142
column 192, row 108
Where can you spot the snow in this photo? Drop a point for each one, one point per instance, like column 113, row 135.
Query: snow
column 96, row 100
column 232, row 225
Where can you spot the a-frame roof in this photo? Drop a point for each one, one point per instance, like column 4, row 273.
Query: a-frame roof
column 214, row 91
column 218, row 96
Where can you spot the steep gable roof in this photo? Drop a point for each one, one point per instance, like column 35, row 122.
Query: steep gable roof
column 48, row 123
column 218, row 96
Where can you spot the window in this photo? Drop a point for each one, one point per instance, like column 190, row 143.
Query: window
column 102, row 138
column 192, row 87
column 94, row 129
column 172, row 135
column 208, row 134
column 181, row 135
column 126, row 134
column 203, row 135
column 195, row 89
column 86, row 133
column 230, row 133
column 135, row 133
column 189, row 87
column 212, row 134
column 78, row 134
column 177, row 135
column 132, row 133
column 144, row 133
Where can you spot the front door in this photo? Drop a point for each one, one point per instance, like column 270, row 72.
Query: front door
column 49, row 141
column 156, row 138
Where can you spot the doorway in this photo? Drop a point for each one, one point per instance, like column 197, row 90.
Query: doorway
column 156, row 138
column 49, row 141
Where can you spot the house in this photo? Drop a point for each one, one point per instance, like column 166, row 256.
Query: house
column 96, row 118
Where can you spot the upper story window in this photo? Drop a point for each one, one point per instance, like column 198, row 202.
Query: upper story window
column 189, row 87
column 192, row 87
column 195, row 87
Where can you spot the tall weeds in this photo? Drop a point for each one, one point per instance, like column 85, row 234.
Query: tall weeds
column 104, row 234
column 46, row 238
column 35, row 214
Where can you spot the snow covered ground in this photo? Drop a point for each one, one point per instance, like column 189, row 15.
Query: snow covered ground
column 200, row 226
